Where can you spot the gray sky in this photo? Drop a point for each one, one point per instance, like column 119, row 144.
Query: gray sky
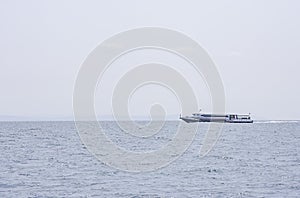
column 255, row 45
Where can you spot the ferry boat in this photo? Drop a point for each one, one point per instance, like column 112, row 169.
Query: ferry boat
column 227, row 118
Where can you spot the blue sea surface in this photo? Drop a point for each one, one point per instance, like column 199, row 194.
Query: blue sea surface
column 47, row 159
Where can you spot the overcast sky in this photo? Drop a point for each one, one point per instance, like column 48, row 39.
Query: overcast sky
column 255, row 45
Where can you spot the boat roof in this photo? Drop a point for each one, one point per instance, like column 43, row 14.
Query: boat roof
column 219, row 115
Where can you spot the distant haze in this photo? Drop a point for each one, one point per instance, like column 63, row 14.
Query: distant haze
column 254, row 44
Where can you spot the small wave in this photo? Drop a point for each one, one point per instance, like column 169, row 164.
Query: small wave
column 276, row 121
column 35, row 129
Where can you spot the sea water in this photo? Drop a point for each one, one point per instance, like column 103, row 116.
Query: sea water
column 47, row 159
